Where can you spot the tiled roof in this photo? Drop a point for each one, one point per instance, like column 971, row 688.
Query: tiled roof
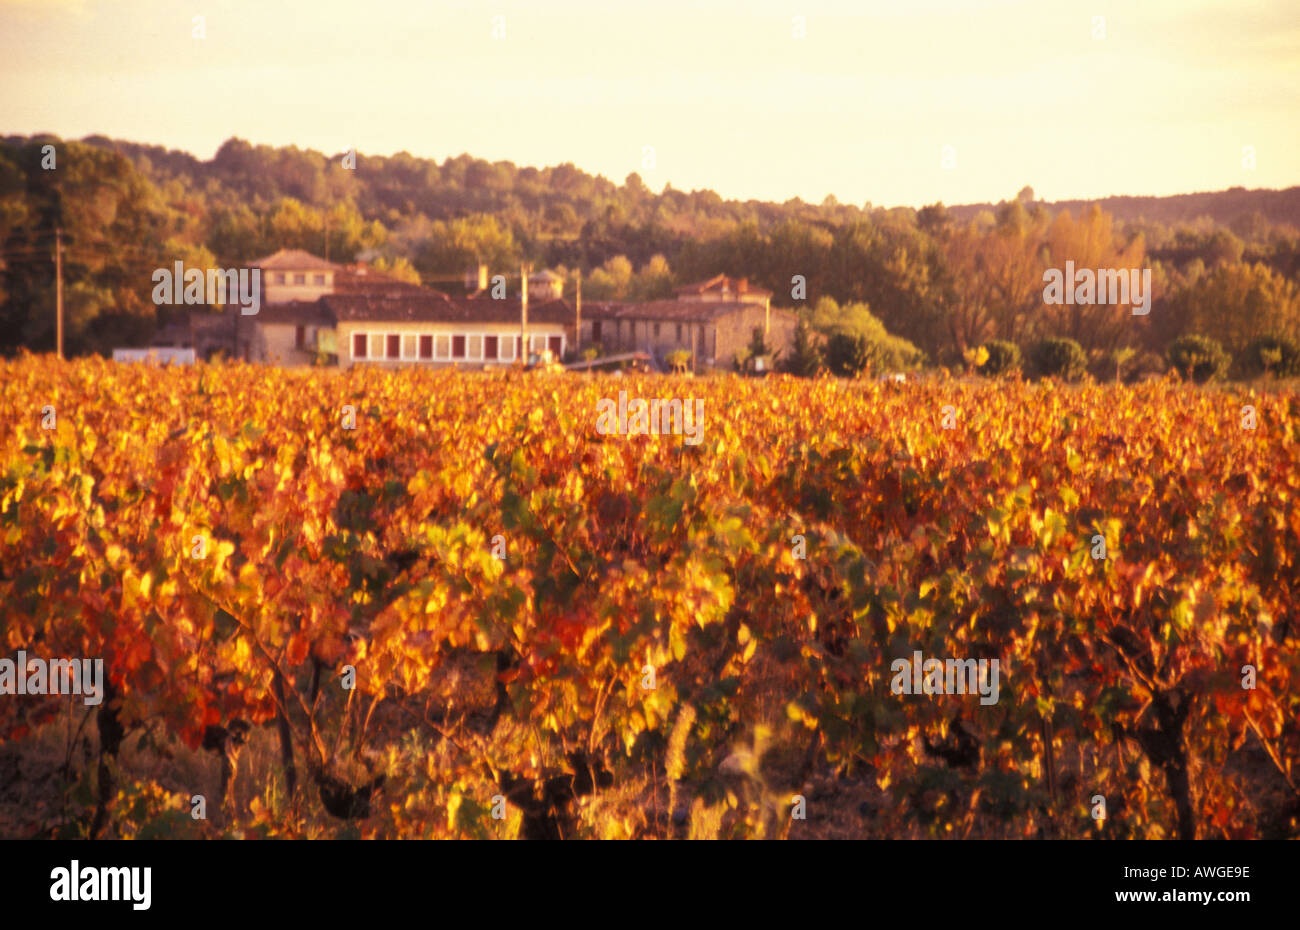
column 717, row 283
column 439, row 308
column 295, row 313
column 361, row 279
column 671, row 310
column 293, row 260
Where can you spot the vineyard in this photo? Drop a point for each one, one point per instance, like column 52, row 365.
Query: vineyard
column 438, row 604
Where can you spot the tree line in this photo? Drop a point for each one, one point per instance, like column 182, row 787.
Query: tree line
column 942, row 282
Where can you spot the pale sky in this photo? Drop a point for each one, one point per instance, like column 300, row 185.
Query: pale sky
column 725, row 94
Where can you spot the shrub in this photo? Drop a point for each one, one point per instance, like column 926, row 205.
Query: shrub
column 1199, row 358
column 1058, row 358
column 857, row 342
column 679, row 360
column 1004, row 358
column 848, row 354
column 1270, row 355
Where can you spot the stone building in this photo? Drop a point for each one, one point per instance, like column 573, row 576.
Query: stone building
column 713, row 320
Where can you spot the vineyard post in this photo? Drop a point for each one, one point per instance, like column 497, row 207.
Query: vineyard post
column 58, row 289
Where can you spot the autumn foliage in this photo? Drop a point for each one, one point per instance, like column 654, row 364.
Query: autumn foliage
column 229, row 549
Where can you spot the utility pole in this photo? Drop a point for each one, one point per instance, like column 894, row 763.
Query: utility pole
column 577, row 332
column 58, row 289
column 523, row 313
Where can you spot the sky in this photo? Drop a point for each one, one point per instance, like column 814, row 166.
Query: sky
column 1162, row 97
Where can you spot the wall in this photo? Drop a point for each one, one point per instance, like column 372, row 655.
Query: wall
column 505, row 332
column 283, row 293
column 736, row 330
column 275, row 343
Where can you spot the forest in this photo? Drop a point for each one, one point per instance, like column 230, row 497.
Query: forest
column 939, row 281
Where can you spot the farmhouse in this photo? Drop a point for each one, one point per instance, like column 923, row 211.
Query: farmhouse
column 714, row 320
column 435, row 329
column 318, row 312
column 291, row 275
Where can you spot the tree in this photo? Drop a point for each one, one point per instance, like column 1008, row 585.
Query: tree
column 611, row 281
column 1120, row 356
column 1235, row 304
column 1199, row 358
column 847, row 355
column 1275, row 356
column 1058, row 358
column 805, row 359
column 1002, row 358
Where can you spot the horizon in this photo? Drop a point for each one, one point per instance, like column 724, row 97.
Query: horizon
column 730, row 101
column 620, row 182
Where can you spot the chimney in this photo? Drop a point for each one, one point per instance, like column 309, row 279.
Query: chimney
column 476, row 279
column 523, row 313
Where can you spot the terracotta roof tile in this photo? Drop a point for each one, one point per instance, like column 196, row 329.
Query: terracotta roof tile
column 293, row 260
column 439, row 308
column 294, row 313
column 671, row 310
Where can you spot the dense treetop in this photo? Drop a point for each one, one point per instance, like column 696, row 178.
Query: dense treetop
column 945, row 278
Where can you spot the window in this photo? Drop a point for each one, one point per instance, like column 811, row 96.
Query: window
column 318, row 279
column 656, row 330
column 508, row 348
column 376, row 345
column 358, row 345
column 426, row 347
column 679, row 332
column 457, row 346
column 538, row 343
column 408, row 345
column 443, row 346
column 394, row 345
column 475, row 350
column 299, row 336
column 490, row 351
column 300, row 279
column 595, row 330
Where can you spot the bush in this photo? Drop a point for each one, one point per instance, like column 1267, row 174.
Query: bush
column 1004, row 358
column 1270, row 355
column 1199, row 358
column 1058, row 358
column 848, row 355
column 857, row 342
